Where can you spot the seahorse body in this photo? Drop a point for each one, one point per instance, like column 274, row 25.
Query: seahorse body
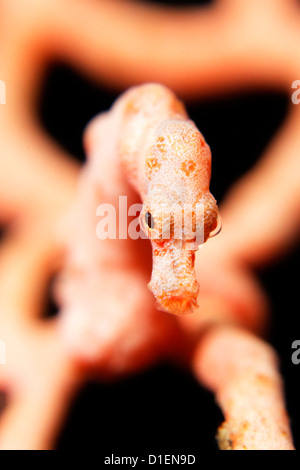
column 168, row 163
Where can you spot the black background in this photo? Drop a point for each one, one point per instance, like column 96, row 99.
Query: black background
column 164, row 409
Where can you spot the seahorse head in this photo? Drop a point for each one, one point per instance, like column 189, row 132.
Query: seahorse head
column 179, row 212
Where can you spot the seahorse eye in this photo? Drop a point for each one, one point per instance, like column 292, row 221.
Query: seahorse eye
column 149, row 220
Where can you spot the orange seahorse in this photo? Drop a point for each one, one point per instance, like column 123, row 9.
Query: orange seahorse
column 168, row 163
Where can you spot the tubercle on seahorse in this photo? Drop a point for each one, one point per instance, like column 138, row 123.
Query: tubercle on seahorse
column 168, row 163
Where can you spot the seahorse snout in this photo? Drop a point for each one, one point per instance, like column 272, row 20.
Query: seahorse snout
column 178, row 302
column 173, row 281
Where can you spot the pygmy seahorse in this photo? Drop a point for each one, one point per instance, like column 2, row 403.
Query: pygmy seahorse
column 168, row 162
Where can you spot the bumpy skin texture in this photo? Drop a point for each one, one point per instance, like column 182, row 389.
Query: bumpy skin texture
column 168, row 162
